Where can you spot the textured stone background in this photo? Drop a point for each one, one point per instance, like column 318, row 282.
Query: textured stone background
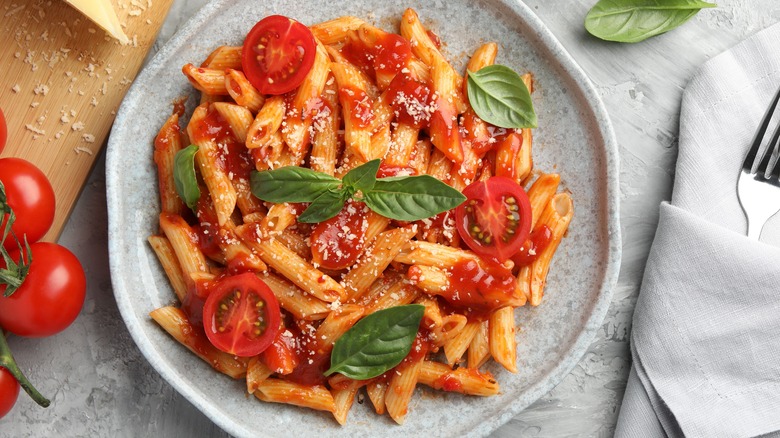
column 100, row 384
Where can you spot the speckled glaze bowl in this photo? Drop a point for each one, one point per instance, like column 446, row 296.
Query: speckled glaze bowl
column 574, row 138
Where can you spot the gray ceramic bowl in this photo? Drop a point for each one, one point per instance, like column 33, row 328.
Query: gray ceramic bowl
column 574, row 138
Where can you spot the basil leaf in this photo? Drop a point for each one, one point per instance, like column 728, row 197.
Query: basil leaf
column 362, row 177
column 376, row 343
column 291, row 184
column 499, row 96
column 631, row 21
column 326, row 206
column 410, row 198
column 184, row 176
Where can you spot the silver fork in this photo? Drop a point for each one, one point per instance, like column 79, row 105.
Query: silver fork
column 758, row 187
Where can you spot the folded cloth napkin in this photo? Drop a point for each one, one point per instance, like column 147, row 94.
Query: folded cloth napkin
column 705, row 341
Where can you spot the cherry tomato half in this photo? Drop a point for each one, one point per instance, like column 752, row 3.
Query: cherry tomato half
column 51, row 296
column 9, row 391
column 3, row 131
column 495, row 219
column 30, row 195
column 241, row 315
column 337, row 242
column 277, row 54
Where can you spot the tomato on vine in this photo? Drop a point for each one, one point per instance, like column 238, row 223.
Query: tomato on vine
column 28, row 193
column 9, row 391
column 51, row 296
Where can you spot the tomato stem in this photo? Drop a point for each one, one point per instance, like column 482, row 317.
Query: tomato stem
column 15, row 272
column 7, row 361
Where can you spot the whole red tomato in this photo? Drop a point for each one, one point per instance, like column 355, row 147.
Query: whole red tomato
column 51, row 296
column 31, row 197
column 9, row 391
column 3, row 131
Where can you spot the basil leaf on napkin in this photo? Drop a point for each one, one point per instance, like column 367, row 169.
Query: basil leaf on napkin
column 184, row 178
column 291, row 184
column 631, row 21
column 376, row 343
column 410, row 198
column 499, row 96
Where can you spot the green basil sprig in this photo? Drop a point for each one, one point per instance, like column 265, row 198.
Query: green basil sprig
column 499, row 96
column 631, row 21
column 184, row 176
column 376, row 343
column 406, row 198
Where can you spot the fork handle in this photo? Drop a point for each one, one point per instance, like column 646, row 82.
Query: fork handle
column 754, row 228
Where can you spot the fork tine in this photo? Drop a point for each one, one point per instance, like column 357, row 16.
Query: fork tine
column 753, row 156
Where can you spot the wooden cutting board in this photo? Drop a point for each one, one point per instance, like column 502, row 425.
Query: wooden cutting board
column 63, row 79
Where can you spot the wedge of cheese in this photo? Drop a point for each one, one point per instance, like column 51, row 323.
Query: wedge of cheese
column 103, row 14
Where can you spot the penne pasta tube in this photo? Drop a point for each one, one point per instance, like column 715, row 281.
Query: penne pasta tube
column 463, row 380
column 167, row 257
column 335, row 31
column 290, row 265
column 377, row 392
column 374, row 261
column 237, row 117
column 556, row 216
column 342, row 401
column 401, row 387
column 208, row 158
column 224, row 57
column 266, row 123
column 167, row 143
column 180, row 236
column 326, row 123
column 294, row 300
column 479, row 349
column 456, row 345
column 308, row 396
column 256, row 373
column 295, row 132
column 210, row 81
column 540, row 193
column 242, row 91
column 501, row 335
column 175, row 322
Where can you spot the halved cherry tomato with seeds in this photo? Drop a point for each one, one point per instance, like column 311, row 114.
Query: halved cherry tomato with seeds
column 277, row 54
column 241, row 315
column 495, row 219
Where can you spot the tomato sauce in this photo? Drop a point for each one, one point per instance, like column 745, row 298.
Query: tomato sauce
column 448, row 382
column 233, row 157
column 207, row 234
column 389, row 55
column 533, row 246
column 480, row 287
column 509, row 146
column 338, row 242
column 411, row 100
column 195, row 299
column 445, row 133
column 360, row 110
column 312, row 360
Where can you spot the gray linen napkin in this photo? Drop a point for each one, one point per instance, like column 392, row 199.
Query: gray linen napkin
column 705, row 341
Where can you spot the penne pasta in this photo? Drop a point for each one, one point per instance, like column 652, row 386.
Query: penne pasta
column 175, row 322
column 167, row 143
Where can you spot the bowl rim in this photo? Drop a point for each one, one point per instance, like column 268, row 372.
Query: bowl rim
column 603, row 133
